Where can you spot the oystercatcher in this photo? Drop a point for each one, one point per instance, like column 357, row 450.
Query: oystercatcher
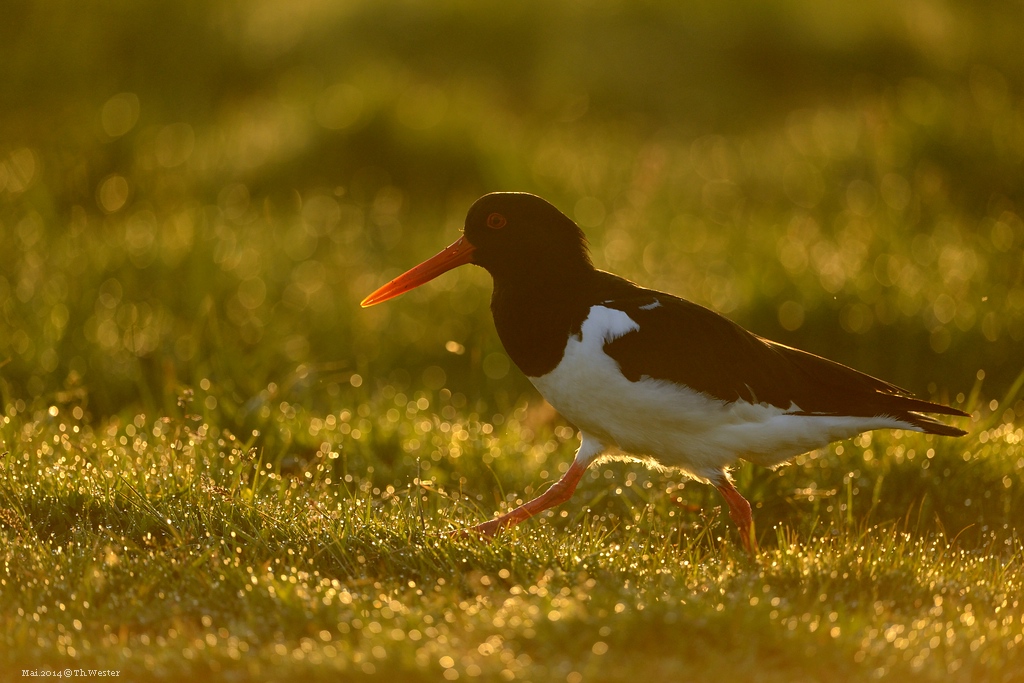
column 648, row 375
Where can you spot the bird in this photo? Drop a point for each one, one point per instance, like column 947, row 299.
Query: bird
column 647, row 375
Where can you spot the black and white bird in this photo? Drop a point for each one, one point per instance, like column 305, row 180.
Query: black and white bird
column 647, row 374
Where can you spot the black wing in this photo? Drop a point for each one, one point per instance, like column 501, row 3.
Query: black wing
column 686, row 343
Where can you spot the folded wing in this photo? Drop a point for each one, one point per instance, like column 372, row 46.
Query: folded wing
column 683, row 342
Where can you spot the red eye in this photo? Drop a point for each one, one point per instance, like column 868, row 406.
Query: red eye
column 496, row 221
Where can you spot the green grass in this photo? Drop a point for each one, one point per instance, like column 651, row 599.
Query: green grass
column 170, row 546
column 214, row 464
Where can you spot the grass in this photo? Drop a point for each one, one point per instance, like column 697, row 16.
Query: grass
column 214, row 464
column 170, row 546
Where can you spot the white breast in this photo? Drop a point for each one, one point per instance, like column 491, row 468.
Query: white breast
column 671, row 423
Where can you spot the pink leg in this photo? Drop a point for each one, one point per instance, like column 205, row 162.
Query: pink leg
column 559, row 492
column 739, row 510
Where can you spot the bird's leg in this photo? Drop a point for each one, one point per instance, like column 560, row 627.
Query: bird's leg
column 559, row 492
column 739, row 510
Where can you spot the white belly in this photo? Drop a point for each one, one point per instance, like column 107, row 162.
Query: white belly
column 672, row 424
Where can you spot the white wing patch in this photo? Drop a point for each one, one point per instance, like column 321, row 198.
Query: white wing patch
column 651, row 306
column 605, row 324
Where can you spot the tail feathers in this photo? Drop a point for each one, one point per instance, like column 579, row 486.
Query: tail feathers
column 906, row 408
column 910, row 410
column 918, row 422
column 909, row 403
column 928, row 425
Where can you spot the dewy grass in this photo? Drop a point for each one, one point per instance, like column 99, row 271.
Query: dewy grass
column 161, row 547
column 840, row 177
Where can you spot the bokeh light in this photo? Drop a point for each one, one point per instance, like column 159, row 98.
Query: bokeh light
column 226, row 210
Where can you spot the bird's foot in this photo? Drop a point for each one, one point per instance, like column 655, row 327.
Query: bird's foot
column 749, row 539
column 485, row 531
column 559, row 492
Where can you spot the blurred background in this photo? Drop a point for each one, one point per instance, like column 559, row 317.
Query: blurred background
column 201, row 192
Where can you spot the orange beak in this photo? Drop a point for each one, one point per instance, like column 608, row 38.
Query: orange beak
column 460, row 252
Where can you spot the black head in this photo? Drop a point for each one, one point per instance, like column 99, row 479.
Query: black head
column 517, row 237
column 517, row 233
